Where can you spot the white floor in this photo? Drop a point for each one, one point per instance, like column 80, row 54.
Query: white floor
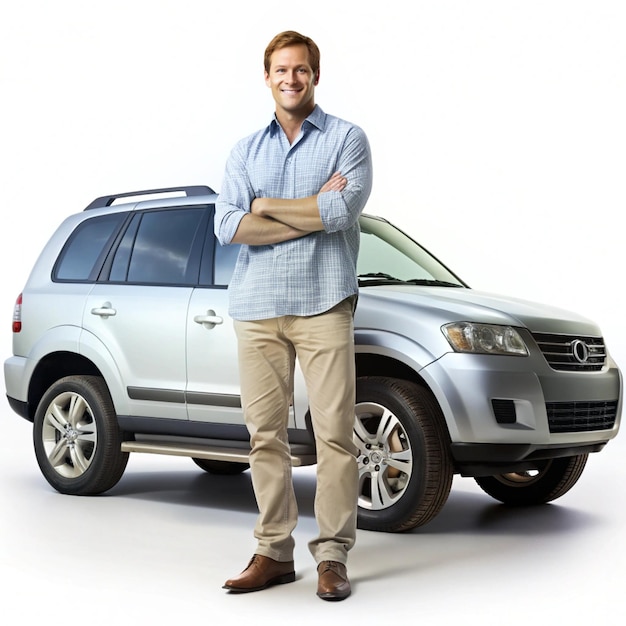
column 157, row 548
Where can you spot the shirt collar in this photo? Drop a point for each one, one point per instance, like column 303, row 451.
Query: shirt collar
column 316, row 118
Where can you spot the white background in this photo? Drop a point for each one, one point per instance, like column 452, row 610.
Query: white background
column 498, row 133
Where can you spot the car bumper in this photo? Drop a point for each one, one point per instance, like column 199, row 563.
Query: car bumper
column 15, row 373
column 472, row 390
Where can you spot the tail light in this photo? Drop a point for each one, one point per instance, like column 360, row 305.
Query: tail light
column 17, row 315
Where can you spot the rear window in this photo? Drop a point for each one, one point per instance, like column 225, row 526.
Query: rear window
column 83, row 254
column 161, row 248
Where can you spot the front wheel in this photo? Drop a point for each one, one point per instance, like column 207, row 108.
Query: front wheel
column 77, row 438
column 549, row 481
column 405, row 470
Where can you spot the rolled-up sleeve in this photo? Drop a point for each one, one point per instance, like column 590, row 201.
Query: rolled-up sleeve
column 340, row 210
column 235, row 197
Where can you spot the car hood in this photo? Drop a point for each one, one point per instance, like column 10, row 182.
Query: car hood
column 449, row 304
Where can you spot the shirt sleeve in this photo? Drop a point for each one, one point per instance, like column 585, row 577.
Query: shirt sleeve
column 340, row 210
column 235, row 198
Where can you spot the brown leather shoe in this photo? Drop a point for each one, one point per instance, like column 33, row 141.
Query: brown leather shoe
column 262, row 572
column 333, row 583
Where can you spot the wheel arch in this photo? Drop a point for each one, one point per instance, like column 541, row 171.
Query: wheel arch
column 85, row 357
column 395, row 356
column 65, row 351
column 52, row 367
column 383, row 353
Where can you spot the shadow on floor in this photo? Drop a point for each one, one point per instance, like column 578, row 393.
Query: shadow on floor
column 465, row 511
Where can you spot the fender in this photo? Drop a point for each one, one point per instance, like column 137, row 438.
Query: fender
column 410, row 353
column 93, row 349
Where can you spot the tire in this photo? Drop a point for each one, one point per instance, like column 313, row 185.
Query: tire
column 224, row 468
column 77, row 438
column 548, row 482
column 405, row 469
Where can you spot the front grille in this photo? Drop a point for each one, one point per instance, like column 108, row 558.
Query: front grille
column 576, row 417
column 572, row 353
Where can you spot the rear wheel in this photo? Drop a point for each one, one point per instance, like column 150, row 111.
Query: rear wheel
column 549, row 481
column 77, row 438
column 405, row 471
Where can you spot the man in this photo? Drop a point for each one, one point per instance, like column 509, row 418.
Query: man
column 292, row 195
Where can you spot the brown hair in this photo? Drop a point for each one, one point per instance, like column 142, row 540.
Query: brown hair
column 292, row 38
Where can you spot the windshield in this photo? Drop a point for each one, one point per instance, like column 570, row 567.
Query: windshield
column 388, row 256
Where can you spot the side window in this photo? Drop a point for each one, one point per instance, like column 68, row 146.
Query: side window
column 161, row 247
column 84, row 252
column 225, row 259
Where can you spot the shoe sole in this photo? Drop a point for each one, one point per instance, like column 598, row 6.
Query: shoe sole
column 283, row 579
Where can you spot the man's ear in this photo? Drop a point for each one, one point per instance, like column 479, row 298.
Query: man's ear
column 317, row 78
column 267, row 77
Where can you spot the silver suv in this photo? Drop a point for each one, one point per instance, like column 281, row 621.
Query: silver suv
column 122, row 343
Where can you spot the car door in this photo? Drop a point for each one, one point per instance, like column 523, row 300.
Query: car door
column 213, row 391
column 139, row 309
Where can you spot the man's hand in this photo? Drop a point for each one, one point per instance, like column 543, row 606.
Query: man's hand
column 336, row 182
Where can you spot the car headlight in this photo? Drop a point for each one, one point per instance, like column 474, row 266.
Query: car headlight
column 484, row 338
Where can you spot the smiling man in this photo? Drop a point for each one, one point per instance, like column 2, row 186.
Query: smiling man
column 292, row 195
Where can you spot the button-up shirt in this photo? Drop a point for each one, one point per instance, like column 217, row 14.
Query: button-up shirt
column 313, row 273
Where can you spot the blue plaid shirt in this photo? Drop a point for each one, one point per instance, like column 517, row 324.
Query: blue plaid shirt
column 309, row 275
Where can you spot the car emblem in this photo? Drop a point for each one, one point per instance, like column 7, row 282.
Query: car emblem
column 580, row 350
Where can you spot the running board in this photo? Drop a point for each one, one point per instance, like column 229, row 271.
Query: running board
column 214, row 453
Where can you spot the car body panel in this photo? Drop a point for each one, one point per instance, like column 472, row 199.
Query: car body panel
column 146, row 338
column 213, row 393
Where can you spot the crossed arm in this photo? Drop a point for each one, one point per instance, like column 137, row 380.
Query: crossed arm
column 273, row 220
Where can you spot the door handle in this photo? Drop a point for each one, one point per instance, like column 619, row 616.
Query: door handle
column 106, row 310
column 209, row 320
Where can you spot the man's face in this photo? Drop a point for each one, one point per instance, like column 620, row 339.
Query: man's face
column 292, row 80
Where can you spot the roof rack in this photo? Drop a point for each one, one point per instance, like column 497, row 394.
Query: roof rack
column 193, row 190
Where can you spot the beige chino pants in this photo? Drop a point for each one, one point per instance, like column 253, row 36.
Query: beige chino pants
column 324, row 346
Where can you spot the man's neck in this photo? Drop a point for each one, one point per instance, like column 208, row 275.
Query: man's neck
column 291, row 123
